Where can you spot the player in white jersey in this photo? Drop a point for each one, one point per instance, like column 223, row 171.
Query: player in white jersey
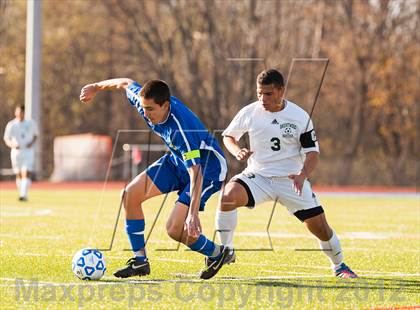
column 283, row 153
column 20, row 135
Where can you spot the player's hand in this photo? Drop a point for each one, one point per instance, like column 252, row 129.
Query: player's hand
column 88, row 92
column 298, row 180
column 243, row 154
column 193, row 226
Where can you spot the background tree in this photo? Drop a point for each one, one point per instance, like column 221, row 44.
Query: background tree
column 210, row 53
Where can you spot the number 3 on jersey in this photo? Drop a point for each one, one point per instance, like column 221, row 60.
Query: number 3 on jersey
column 276, row 144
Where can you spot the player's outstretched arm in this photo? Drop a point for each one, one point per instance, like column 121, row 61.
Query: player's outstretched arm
column 233, row 147
column 89, row 91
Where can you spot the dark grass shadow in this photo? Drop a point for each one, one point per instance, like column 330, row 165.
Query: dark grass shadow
column 148, row 281
column 363, row 283
column 402, row 285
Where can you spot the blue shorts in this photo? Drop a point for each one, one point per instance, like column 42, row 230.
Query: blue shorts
column 168, row 178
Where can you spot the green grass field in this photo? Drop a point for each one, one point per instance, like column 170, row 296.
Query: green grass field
column 379, row 234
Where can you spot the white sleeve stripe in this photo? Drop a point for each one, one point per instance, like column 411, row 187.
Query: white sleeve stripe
column 311, row 149
column 206, row 189
column 183, row 136
column 132, row 93
column 222, row 160
column 203, row 245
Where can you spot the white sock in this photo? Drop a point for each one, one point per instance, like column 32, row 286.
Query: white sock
column 18, row 184
column 332, row 249
column 24, row 187
column 225, row 224
column 216, row 250
column 28, row 185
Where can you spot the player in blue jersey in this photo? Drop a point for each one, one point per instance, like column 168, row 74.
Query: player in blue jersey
column 195, row 167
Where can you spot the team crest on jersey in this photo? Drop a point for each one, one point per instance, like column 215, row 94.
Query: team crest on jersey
column 250, row 175
column 288, row 130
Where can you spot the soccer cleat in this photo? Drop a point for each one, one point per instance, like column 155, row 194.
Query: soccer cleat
column 345, row 272
column 23, row 199
column 229, row 259
column 215, row 265
column 133, row 268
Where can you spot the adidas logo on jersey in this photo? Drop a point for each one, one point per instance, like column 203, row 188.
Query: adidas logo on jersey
column 275, row 122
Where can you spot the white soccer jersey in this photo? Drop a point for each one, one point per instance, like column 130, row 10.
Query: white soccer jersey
column 279, row 140
column 21, row 132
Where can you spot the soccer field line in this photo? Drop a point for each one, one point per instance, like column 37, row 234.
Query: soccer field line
column 297, row 276
column 364, row 235
column 26, row 213
column 347, row 249
column 191, row 261
column 31, row 282
column 381, row 250
column 182, row 278
column 364, row 195
column 350, row 249
column 345, row 236
column 175, row 260
column 377, row 272
column 289, row 272
column 367, row 272
column 224, row 278
column 16, row 236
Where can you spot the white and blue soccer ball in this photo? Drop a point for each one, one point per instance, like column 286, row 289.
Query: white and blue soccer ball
column 88, row 264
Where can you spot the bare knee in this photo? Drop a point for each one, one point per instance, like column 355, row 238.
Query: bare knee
column 174, row 231
column 131, row 197
column 132, row 205
column 230, row 201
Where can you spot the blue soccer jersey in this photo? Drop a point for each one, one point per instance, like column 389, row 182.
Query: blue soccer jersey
column 187, row 138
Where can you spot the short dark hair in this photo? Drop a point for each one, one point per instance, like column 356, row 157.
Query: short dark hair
column 157, row 90
column 271, row 76
column 21, row 107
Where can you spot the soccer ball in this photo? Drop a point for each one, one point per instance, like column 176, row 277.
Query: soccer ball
column 88, row 264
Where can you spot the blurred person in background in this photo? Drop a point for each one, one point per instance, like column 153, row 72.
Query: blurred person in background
column 20, row 136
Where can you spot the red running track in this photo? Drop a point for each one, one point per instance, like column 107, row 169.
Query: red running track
column 120, row 185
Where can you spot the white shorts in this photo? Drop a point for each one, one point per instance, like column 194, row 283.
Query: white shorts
column 278, row 189
column 23, row 160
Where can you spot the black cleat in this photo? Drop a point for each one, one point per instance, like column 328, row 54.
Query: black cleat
column 23, row 199
column 229, row 259
column 214, row 265
column 133, row 268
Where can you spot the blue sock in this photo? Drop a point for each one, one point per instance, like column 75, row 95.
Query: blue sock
column 135, row 232
column 204, row 246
